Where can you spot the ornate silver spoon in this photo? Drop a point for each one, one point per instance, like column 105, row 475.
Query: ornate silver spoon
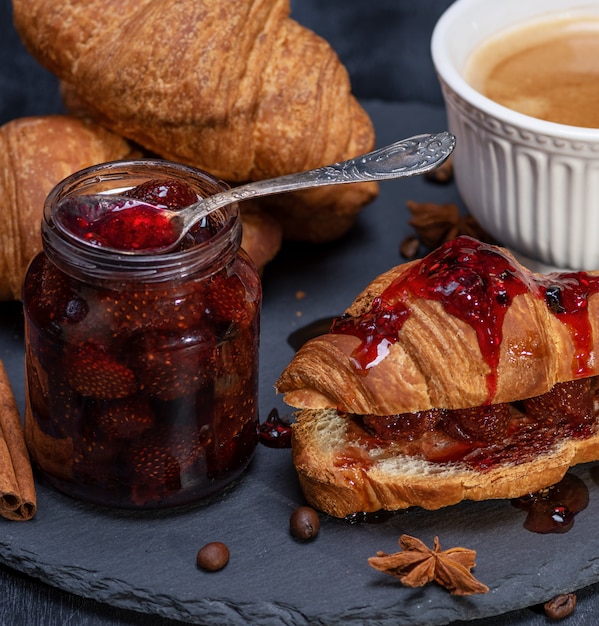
column 408, row 157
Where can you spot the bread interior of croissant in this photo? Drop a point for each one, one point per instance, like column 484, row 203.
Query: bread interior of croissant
column 348, row 463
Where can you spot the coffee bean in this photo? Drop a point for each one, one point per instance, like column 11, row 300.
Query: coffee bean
column 213, row 556
column 304, row 523
column 561, row 606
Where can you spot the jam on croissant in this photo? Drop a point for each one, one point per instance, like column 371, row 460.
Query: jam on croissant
column 487, row 435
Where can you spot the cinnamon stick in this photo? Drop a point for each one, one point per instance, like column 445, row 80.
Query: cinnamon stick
column 17, row 489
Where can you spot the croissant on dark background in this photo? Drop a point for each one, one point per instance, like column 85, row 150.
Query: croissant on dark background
column 237, row 88
column 392, row 432
column 36, row 153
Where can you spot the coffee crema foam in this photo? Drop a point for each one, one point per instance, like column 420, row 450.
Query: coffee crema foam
column 545, row 69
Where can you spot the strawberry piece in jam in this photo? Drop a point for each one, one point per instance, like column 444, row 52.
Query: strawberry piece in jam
column 133, row 226
column 275, row 432
column 483, row 423
column 164, row 370
column 407, row 426
column 124, row 224
column 167, row 194
column 124, row 419
column 136, row 220
column 572, row 400
column 487, row 436
column 93, row 371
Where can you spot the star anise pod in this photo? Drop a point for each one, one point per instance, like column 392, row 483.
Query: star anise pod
column 416, row 565
column 432, row 221
column 435, row 224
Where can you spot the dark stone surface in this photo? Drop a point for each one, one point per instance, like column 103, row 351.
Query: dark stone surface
column 384, row 44
column 80, row 564
column 146, row 561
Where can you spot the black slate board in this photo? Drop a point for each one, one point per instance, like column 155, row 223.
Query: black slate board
column 146, row 561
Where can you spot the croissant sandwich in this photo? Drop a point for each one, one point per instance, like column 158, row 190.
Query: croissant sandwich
column 235, row 88
column 458, row 376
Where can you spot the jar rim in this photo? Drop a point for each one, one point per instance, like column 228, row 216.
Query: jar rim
column 76, row 256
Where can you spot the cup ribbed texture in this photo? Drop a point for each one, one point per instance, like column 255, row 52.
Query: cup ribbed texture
column 540, row 194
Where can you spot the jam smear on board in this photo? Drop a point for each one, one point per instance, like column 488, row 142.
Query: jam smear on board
column 275, row 432
column 476, row 283
column 552, row 510
column 370, row 517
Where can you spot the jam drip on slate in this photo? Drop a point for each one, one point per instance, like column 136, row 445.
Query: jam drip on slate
column 476, row 283
column 552, row 510
column 275, row 432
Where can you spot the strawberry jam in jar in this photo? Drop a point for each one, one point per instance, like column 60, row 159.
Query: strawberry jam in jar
column 142, row 368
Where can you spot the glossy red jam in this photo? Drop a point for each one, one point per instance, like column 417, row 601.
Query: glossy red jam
column 127, row 225
column 487, row 436
column 476, row 283
column 552, row 510
column 133, row 220
column 275, row 432
column 142, row 378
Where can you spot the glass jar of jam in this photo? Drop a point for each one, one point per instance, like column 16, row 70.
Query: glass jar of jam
column 142, row 369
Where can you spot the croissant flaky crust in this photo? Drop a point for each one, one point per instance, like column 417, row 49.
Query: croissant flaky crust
column 36, row 153
column 465, row 326
column 546, row 331
column 236, row 88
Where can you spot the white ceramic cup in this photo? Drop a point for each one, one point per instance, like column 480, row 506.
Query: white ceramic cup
column 532, row 184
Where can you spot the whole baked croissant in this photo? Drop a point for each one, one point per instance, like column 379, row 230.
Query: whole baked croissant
column 236, row 88
column 36, row 153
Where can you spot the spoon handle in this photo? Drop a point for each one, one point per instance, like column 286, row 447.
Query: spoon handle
column 407, row 157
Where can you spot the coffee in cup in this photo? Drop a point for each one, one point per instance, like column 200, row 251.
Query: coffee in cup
column 548, row 69
column 530, row 183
